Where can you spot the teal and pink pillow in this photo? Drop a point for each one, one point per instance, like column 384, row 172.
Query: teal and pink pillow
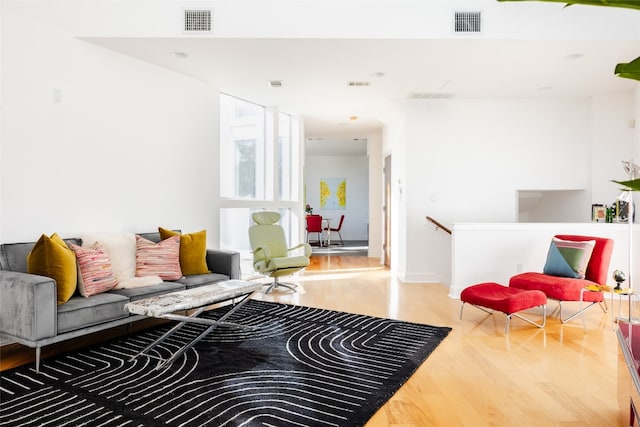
column 567, row 258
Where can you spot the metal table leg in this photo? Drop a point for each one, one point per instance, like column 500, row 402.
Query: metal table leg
column 192, row 318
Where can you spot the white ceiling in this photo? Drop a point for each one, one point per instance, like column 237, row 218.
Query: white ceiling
column 315, row 72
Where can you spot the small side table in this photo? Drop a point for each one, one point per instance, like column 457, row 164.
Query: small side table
column 612, row 291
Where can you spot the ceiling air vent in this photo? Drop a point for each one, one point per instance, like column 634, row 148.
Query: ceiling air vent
column 430, row 95
column 358, row 84
column 197, row 20
column 467, row 21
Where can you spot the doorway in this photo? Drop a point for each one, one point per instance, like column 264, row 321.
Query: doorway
column 386, row 208
column 342, row 171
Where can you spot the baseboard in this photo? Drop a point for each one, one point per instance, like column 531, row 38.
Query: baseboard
column 5, row 341
column 419, row 278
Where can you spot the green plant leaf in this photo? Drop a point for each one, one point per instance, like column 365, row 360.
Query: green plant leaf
column 631, row 4
column 633, row 185
column 630, row 70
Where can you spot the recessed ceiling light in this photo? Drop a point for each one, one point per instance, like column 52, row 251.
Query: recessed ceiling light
column 354, row 83
column 353, row 118
column 179, row 55
column 431, row 95
column 274, row 83
column 573, row 56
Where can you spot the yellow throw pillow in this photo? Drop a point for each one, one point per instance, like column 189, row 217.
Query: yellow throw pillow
column 51, row 257
column 193, row 250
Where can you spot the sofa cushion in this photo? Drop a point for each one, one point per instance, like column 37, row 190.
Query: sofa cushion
column 193, row 250
column 135, row 294
column 154, row 237
column 138, row 282
column 95, row 274
column 159, row 259
column 555, row 287
column 80, row 312
column 567, row 258
column 202, row 279
column 52, row 257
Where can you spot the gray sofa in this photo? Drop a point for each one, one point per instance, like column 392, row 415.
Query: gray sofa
column 29, row 314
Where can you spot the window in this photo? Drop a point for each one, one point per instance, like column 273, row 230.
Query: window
column 259, row 169
column 242, row 136
column 284, row 157
column 245, row 172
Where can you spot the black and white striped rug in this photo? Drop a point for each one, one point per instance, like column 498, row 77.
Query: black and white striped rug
column 301, row 367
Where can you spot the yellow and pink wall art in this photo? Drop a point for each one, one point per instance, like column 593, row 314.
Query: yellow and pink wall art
column 333, row 193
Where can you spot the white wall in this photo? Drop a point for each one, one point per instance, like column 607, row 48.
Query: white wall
column 356, row 170
column 553, row 206
column 636, row 124
column 396, row 142
column 468, row 158
column 376, row 193
column 613, row 140
column 96, row 141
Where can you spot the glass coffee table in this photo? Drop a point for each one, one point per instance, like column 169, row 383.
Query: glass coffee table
column 165, row 307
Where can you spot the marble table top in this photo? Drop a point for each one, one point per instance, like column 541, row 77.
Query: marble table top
column 191, row 298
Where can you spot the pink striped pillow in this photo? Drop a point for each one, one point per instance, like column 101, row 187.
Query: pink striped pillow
column 158, row 259
column 94, row 267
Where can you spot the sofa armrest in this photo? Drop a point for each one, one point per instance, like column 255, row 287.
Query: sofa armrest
column 224, row 262
column 27, row 305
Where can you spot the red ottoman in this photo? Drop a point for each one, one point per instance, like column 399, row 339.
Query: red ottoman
column 505, row 299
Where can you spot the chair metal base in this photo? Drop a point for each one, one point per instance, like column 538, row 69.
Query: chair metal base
column 328, row 242
column 602, row 304
column 319, row 237
column 339, row 235
column 519, row 316
column 277, row 284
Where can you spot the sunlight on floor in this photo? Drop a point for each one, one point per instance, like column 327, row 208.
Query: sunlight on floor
column 327, row 273
column 322, row 275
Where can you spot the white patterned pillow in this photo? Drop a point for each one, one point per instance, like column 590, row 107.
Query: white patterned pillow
column 94, row 268
column 158, row 259
column 121, row 248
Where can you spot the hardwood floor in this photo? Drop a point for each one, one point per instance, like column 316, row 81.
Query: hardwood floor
column 558, row 376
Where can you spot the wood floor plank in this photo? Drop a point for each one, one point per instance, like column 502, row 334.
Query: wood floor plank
column 562, row 375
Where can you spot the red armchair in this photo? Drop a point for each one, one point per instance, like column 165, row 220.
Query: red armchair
column 568, row 289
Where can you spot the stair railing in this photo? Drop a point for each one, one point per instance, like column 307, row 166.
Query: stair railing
column 438, row 224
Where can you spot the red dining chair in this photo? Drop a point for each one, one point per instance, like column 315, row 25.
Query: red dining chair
column 314, row 225
column 336, row 229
